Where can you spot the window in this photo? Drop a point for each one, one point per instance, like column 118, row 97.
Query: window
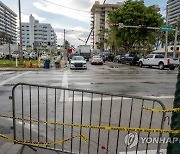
column 149, row 56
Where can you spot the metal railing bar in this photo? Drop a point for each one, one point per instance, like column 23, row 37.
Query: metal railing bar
column 129, row 121
column 30, row 110
column 82, row 105
column 90, row 122
column 22, row 93
column 120, row 114
column 160, row 134
column 72, row 120
column 38, row 116
column 150, row 125
column 64, row 93
column 55, row 120
column 46, row 114
column 110, row 111
column 100, row 114
column 140, row 122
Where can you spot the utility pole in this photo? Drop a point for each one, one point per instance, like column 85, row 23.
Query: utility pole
column 166, row 44
column 20, row 33
column 175, row 42
column 65, row 52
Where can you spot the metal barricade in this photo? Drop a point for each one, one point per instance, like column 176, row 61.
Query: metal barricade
column 47, row 114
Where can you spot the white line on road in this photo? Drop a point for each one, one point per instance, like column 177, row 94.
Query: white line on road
column 65, row 85
column 85, row 98
column 14, row 77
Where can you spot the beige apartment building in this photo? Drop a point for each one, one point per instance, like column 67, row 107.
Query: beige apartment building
column 99, row 22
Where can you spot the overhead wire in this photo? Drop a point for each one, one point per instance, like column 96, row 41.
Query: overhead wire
column 66, row 7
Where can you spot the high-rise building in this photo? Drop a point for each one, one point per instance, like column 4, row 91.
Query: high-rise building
column 173, row 11
column 37, row 34
column 99, row 14
column 7, row 25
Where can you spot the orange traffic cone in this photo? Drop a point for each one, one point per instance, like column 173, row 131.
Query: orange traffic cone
column 30, row 64
column 24, row 64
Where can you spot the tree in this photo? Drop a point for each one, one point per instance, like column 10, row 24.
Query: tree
column 66, row 44
column 134, row 13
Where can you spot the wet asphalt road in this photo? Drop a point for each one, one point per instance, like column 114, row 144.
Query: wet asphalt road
column 125, row 80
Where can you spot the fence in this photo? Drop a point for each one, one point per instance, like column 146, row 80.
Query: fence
column 63, row 118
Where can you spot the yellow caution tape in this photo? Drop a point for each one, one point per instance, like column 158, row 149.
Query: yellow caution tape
column 167, row 110
column 83, row 137
column 152, row 130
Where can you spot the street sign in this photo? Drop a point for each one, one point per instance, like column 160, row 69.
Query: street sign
column 166, row 28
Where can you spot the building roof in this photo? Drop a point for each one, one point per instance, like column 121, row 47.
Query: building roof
column 97, row 5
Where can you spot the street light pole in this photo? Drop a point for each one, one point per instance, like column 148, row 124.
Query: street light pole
column 65, row 52
column 166, row 44
column 175, row 42
column 20, row 33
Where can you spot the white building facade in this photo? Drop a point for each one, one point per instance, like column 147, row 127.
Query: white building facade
column 38, row 34
column 173, row 11
column 7, row 24
column 99, row 22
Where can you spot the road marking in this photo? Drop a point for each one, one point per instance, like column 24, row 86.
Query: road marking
column 17, row 76
column 162, row 151
column 64, row 85
column 85, row 98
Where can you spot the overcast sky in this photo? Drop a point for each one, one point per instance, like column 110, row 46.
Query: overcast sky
column 64, row 14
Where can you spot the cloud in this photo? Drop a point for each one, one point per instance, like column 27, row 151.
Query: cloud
column 55, row 9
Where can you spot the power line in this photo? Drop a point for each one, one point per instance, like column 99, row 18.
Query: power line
column 66, row 7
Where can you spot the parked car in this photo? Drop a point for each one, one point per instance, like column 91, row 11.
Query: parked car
column 97, row 60
column 44, row 57
column 130, row 59
column 33, row 55
column 158, row 60
column 117, row 58
column 78, row 62
column 110, row 57
column 16, row 54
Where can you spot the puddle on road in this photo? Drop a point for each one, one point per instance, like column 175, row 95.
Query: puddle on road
column 4, row 130
column 82, row 83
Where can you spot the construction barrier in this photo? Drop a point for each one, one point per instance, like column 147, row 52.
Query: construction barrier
column 48, row 114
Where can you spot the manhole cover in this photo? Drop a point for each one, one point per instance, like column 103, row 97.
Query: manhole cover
column 5, row 130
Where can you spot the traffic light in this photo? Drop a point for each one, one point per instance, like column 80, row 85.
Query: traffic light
column 114, row 25
column 142, row 26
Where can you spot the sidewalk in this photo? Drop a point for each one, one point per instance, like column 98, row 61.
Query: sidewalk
column 63, row 65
